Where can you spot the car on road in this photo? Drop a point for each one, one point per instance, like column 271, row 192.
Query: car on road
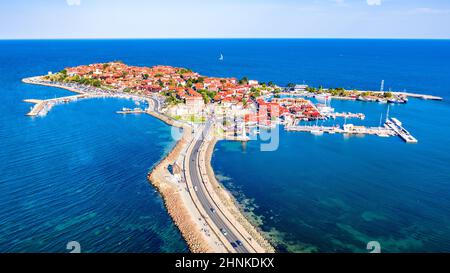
column 213, row 210
column 195, row 188
column 234, row 245
column 224, row 232
column 239, row 243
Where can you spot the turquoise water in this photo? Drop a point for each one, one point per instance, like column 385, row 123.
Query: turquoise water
column 332, row 193
column 79, row 174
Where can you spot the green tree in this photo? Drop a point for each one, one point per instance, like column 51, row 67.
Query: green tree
column 244, row 80
column 184, row 71
column 96, row 83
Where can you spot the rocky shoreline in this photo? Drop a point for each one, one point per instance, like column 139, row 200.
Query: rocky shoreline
column 173, row 200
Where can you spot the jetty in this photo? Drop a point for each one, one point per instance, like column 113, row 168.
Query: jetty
column 359, row 92
column 42, row 107
column 392, row 127
column 408, row 94
column 396, row 126
column 350, row 129
column 419, row 96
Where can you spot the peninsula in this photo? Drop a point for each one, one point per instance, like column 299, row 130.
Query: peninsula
column 206, row 110
column 206, row 214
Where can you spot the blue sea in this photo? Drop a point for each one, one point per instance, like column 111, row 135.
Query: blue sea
column 79, row 173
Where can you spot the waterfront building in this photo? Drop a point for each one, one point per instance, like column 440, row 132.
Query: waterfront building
column 300, row 88
column 195, row 104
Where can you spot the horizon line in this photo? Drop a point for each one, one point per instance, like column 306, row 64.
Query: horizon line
column 223, row 38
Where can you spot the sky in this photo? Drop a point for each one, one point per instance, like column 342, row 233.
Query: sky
column 71, row 19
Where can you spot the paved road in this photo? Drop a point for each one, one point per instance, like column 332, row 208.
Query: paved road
column 200, row 191
column 211, row 209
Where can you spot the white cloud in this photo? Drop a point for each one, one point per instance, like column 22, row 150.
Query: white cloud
column 73, row 2
column 374, row 2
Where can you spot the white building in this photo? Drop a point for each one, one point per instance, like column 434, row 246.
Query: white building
column 300, row 87
column 253, row 82
column 195, row 104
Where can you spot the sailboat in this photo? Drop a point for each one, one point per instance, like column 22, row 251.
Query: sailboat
column 317, row 131
column 382, row 133
column 221, row 57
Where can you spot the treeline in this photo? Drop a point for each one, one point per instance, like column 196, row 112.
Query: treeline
column 62, row 76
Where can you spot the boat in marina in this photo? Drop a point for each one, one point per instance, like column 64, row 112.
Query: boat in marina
column 324, row 109
column 322, row 97
column 317, row 132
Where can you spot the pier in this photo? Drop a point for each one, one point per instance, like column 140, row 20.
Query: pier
column 351, row 129
column 346, row 115
column 396, row 126
column 43, row 106
column 358, row 92
column 419, row 96
column 392, row 127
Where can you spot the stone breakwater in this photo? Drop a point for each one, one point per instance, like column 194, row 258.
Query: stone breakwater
column 176, row 205
column 231, row 204
column 173, row 200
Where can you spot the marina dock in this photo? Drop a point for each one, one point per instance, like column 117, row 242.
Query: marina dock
column 396, row 126
column 405, row 94
column 392, row 127
column 353, row 130
column 346, row 115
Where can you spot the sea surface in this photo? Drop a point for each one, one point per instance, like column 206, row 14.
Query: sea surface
column 79, row 173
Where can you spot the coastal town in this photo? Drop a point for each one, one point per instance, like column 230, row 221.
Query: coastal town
column 210, row 109
column 239, row 106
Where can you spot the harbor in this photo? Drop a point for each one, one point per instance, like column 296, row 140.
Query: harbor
column 42, row 107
